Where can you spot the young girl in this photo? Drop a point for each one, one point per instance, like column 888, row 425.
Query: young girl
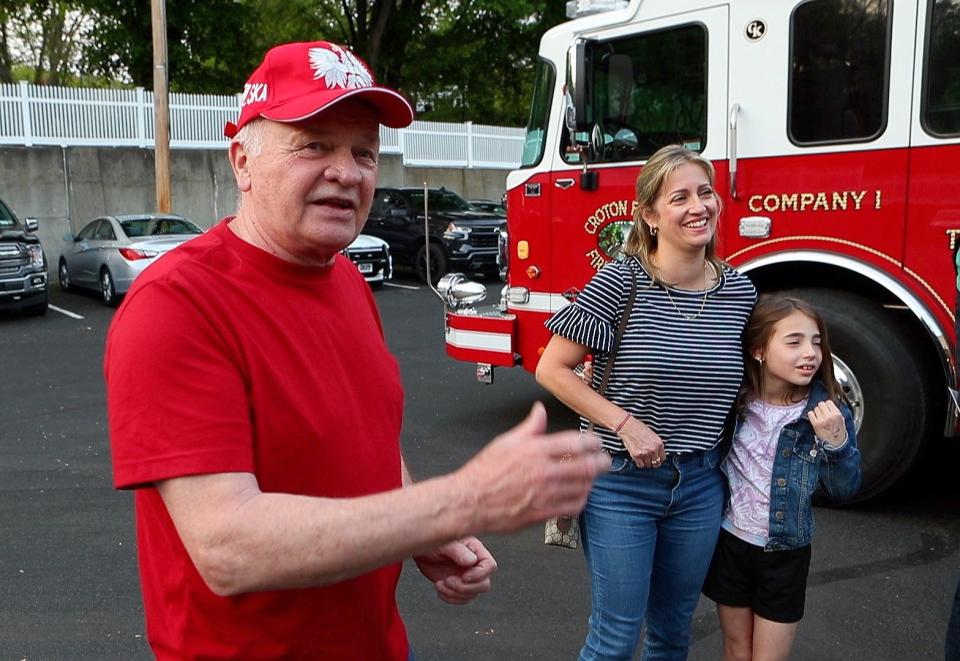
column 793, row 430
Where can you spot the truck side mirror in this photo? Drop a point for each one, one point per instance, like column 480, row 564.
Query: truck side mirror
column 31, row 224
column 585, row 136
column 579, row 94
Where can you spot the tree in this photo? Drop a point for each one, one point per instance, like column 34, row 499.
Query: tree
column 7, row 8
column 207, row 43
column 378, row 31
column 461, row 60
column 478, row 64
column 43, row 36
column 471, row 59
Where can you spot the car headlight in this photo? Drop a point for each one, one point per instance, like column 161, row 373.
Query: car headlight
column 455, row 231
column 36, row 256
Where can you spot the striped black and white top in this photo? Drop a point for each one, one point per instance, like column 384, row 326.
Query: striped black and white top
column 680, row 376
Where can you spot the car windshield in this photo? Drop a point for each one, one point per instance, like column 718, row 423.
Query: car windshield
column 440, row 200
column 158, row 227
column 492, row 207
column 7, row 219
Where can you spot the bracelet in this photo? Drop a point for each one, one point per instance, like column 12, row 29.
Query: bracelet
column 829, row 446
column 622, row 423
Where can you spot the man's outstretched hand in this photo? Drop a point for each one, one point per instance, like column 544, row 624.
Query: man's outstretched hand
column 526, row 476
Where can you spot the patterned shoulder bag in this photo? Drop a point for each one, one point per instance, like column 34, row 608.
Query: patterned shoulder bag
column 565, row 530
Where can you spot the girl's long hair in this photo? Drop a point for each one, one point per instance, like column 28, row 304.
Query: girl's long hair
column 770, row 309
column 640, row 242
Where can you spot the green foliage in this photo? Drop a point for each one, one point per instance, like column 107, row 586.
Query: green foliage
column 206, row 44
column 379, row 31
column 29, row 73
column 42, row 35
column 457, row 61
column 478, row 64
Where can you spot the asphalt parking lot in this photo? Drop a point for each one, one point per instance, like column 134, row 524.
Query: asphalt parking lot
column 881, row 582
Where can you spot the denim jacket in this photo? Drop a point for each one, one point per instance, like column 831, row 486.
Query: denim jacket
column 802, row 461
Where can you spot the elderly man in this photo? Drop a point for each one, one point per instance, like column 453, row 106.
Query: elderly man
column 256, row 410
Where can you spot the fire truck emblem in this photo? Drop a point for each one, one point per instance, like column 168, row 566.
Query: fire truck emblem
column 339, row 68
column 610, row 223
column 613, row 237
column 755, row 30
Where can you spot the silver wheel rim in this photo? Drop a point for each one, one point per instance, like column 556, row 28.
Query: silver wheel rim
column 851, row 389
column 64, row 276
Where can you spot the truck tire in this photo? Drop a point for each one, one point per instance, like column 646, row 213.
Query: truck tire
column 438, row 263
column 107, row 290
column 884, row 369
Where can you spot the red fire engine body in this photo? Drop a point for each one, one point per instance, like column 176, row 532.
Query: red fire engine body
column 834, row 128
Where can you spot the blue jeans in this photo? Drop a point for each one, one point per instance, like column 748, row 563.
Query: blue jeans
column 648, row 535
column 952, row 647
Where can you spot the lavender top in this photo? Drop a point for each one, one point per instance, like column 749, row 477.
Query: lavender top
column 749, row 468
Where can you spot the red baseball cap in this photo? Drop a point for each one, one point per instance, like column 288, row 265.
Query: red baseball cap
column 296, row 81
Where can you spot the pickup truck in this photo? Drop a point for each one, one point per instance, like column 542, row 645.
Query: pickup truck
column 462, row 237
column 23, row 266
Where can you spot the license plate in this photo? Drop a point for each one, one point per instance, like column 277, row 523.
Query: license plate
column 365, row 267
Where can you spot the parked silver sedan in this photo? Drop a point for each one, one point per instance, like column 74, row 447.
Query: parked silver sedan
column 111, row 251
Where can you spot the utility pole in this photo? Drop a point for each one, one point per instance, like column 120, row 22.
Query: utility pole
column 161, row 109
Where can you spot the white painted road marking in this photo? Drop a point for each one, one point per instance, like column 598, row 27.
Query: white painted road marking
column 390, row 284
column 72, row 315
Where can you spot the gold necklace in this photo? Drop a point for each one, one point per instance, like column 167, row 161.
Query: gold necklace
column 703, row 302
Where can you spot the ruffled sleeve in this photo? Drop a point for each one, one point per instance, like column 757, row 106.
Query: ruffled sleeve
column 578, row 325
column 590, row 319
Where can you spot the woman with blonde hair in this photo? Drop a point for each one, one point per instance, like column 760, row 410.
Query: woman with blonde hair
column 651, row 523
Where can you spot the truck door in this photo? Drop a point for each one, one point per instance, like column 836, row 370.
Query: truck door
column 820, row 96
column 819, row 117
column 933, row 211
column 655, row 81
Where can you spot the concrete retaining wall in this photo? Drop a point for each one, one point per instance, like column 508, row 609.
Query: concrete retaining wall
column 64, row 188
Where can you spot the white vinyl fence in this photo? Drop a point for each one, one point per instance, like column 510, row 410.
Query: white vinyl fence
column 88, row 117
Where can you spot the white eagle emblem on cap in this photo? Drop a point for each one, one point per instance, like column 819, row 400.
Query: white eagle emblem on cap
column 339, row 68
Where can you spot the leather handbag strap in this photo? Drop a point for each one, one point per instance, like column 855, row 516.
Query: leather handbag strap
column 621, row 327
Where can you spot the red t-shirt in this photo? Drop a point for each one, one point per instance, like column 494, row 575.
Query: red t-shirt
column 224, row 358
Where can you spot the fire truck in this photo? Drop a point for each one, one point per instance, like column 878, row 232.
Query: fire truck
column 834, row 128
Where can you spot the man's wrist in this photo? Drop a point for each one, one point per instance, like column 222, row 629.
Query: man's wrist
column 466, row 512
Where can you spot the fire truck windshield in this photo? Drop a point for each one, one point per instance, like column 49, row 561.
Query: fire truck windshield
column 649, row 90
column 539, row 113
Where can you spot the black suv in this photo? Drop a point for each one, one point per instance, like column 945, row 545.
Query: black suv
column 23, row 266
column 462, row 238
